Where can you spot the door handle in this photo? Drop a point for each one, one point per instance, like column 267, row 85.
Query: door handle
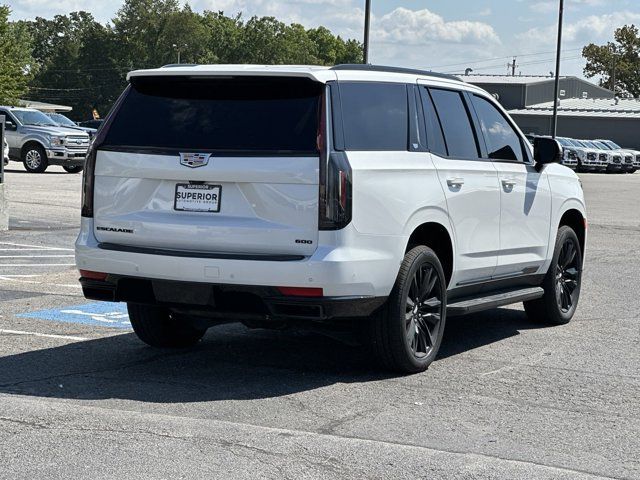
column 508, row 183
column 455, row 182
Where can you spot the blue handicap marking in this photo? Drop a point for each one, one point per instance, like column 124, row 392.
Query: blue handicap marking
column 104, row 314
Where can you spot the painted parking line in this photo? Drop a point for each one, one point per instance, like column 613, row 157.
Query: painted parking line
column 45, row 335
column 103, row 314
column 34, row 247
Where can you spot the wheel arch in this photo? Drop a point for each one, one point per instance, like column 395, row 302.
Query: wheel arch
column 30, row 143
column 437, row 237
column 574, row 218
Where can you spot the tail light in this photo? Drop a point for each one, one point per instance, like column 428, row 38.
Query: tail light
column 335, row 181
column 335, row 193
column 88, row 176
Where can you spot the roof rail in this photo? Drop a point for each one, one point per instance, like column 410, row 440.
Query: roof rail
column 175, row 65
column 383, row 68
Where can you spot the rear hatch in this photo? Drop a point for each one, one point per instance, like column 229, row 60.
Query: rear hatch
column 215, row 165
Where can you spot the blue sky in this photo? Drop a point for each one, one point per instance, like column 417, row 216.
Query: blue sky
column 445, row 35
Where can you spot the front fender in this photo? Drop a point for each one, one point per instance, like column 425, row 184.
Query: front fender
column 42, row 140
column 567, row 195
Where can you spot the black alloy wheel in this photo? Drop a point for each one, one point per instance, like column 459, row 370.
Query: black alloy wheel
column 423, row 311
column 567, row 275
column 562, row 282
column 406, row 333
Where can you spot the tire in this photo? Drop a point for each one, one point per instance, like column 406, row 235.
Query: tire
column 157, row 327
column 561, row 284
column 74, row 169
column 34, row 159
column 406, row 333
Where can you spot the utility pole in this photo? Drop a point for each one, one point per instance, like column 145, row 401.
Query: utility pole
column 178, row 48
column 512, row 66
column 613, row 73
column 556, row 90
column 367, row 20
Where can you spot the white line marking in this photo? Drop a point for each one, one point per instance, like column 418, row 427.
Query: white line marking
column 38, row 265
column 37, row 256
column 35, row 247
column 6, row 277
column 46, row 335
column 29, row 249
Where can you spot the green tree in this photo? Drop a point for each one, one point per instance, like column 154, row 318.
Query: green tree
column 76, row 64
column 82, row 63
column 140, row 27
column 619, row 60
column 15, row 58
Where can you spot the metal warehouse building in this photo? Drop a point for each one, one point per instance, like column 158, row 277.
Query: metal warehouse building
column 586, row 111
column 522, row 91
column 614, row 119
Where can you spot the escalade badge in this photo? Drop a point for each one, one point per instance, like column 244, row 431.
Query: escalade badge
column 194, row 160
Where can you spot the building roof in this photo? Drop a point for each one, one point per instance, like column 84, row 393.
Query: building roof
column 589, row 107
column 507, row 79
column 44, row 107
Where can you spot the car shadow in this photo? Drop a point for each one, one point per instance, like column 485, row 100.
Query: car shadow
column 47, row 172
column 231, row 363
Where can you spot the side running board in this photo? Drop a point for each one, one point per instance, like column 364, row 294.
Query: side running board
column 493, row 300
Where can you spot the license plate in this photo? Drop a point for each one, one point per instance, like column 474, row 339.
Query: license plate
column 197, row 197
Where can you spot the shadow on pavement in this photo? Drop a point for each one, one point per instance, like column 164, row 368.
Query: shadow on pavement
column 231, row 363
column 47, row 172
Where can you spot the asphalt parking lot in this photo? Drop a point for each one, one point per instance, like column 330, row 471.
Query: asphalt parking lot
column 81, row 397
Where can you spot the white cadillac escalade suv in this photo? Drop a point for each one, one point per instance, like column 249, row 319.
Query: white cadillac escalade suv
column 302, row 196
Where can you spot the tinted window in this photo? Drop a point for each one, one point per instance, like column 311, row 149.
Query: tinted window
column 435, row 138
column 503, row 143
column 375, row 116
column 249, row 114
column 456, row 125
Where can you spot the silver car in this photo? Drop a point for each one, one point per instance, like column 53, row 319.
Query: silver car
column 37, row 141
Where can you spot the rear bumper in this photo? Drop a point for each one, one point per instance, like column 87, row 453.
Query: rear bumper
column 228, row 302
column 345, row 264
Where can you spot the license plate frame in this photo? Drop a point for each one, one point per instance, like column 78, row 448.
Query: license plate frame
column 207, row 207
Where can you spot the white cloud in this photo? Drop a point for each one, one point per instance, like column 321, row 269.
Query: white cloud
column 548, row 6
column 27, row 9
column 421, row 27
column 590, row 29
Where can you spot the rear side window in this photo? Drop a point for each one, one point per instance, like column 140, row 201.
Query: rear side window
column 503, row 143
column 242, row 114
column 458, row 133
column 435, row 137
column 375, row 116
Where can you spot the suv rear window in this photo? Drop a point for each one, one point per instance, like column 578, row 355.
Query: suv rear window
column 242, row 114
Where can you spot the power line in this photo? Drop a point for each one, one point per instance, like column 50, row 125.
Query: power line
column 501, row 58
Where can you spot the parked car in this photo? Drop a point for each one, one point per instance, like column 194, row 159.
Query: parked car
column 631, row 157
column 569, row 154
column 291, row 195
column 5, row 151
column 63, row 121
column 37, row 141
column 588, row 160
column 604, row 154
column 616, row 158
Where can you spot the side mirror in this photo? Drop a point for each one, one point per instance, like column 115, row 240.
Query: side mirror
column 9, row 125
column 546, row 150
